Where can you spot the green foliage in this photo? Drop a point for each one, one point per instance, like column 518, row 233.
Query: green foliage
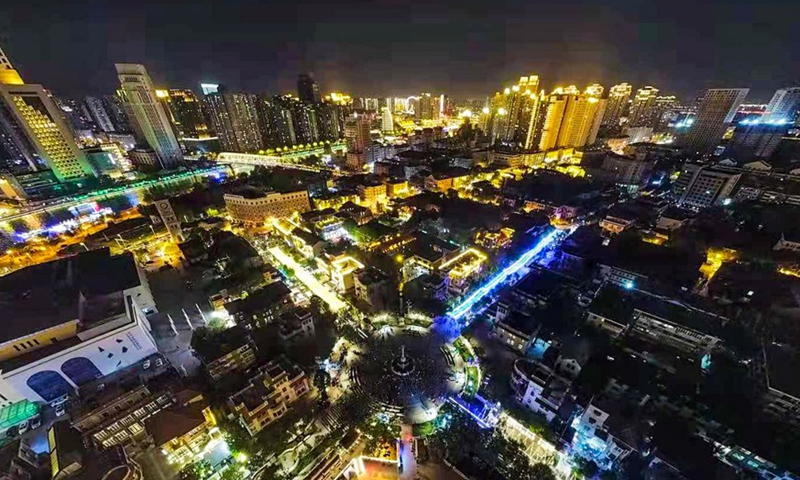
column 196, row 471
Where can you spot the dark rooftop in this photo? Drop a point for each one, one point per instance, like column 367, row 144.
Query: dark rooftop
column 41, row 296
column 783, row 363
column 260, row 300
column 539, row 283
column 213, row 345
column 175, row 422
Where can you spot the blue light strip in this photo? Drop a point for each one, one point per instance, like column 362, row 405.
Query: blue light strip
column 464, row 307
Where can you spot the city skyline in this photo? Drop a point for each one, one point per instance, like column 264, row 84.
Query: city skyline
column 473, row 48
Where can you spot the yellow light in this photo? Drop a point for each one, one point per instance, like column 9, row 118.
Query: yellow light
column 507, row 91
column 466, row 113
column 241, row 457
column 162, row 93
column 501, row 111
column 515, row 88
column 486, row 110
column 593, row 100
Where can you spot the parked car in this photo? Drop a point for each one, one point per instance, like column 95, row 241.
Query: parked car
column 61, row 409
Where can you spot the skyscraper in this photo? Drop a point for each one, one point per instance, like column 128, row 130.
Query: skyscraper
column 275, row 122
column 8, row 75
column 356, row 132
column 235, row 119
column 150, row 120
column 715, row 114
column 511, row 111
column 387, row 121
column 664, row 103
column 572, row 118
column 641, row 114
column 784, row 106
column 307, row 89
column 98, row 113
column 185, row 112
column 425, row 107
column 116, row 112
column 617, row 102
column 33, row 131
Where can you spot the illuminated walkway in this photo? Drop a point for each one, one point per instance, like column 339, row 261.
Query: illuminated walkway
column 465, row 306
column 329, row 297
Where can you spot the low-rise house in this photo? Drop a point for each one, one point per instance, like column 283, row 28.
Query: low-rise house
column 224, row 352
column 374, row 288
column 539, row 388
column 183, row 430
column 271, row 391
column 296, row 325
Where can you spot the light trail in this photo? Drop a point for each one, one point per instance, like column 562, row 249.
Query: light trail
column 308, row 280
column 464, row 307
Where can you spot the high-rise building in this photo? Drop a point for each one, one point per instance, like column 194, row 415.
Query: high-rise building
column 784, row 106
column 151, row 122
column 307, row 89
column 185, row 113
column 209, row 88
column 97, row 111
column 235, row 119
column 572, row 118
column 33, row 132
column 641, row 113
column 116, row 112
column 715, row 114
column 425, row 108
column 617, row 102
column 512, row 110
column 664, row 105
column 357, row 135
column 275, row 122
column 8, row 75
column 330, row 117
column 387, row 121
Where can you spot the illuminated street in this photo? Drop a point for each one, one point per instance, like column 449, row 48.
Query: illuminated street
column 329, row 297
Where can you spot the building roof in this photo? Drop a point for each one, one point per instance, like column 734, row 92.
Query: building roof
column 263, row 299
column 213, row 345
column 520, row 322
column 176, row 422
column 539, row 283
column 783, row 363
column 370, row 275
column 45, row 295
column 669, row 266
column 307, row 237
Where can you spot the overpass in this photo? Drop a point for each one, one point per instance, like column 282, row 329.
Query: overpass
column 266, row 161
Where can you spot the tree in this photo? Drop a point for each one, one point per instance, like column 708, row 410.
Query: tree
column 196, row 471
column 541, row 471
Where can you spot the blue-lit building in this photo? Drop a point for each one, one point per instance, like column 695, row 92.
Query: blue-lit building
column 604, row 438
column 756, row 139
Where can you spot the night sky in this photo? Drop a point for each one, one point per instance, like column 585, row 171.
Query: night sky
column 466, row 48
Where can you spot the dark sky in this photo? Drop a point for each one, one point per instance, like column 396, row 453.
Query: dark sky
column 466, row 48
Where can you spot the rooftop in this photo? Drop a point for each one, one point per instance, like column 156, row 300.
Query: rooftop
column 49, row 294
column 175, row 422
column 213, row 345
column 783, row 363
column 260, row 300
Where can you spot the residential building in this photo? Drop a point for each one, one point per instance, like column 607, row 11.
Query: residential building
column 150, row 122
column 599, row 437
column 642, row 112
column 97, row 111
column 700, row 186
column 513, row 112
column 296, row 325
column 271, row 391
column 624, row 170
column 261, row 306
column 616, row 104
column 69, row 322
column 539, row 388
column 34, row 134
column 715, row 113
column 185, row 112
column 308, row 244
column 235, row 120
column 374, row 288
column 182, row 431
column 357, row 135
column 307, row 89
column 255, row 206
column 224, row 352
column 387, row 121
column 571, row 118
column 115, row 415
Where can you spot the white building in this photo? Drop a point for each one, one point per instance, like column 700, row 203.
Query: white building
column 539, row 388
column 70, row 321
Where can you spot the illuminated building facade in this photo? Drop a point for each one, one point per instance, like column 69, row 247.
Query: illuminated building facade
column 151, row 122
column 716, row 112
column 572, row 118
column 8, row 75
column 33, row 132
column 257, row 207
column 642, row 107
column 235, row 119
column 513, row 112
column 182, row 431
column 784, row 106
column 357, row 135
column 269, row 395
column 616, row 104
column 185, row 112
column 426, row 107
column 387, row 121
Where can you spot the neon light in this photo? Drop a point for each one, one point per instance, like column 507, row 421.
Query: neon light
column 464, row 307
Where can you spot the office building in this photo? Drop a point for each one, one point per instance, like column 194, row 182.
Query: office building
column 270, row 394
column 698, row 186
column 235, row 119
column 33, row 133
column 616, row 104
column 185, row 113
column 783, row 107
column 96, row 109
column 716, row 112
column 642, row 108
column 251, row 205
column 307, row 89
column 151, row 123
column 116, row 113
column 70, row 322
column 387, row 121
column 755, row 139
column 8, row 75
